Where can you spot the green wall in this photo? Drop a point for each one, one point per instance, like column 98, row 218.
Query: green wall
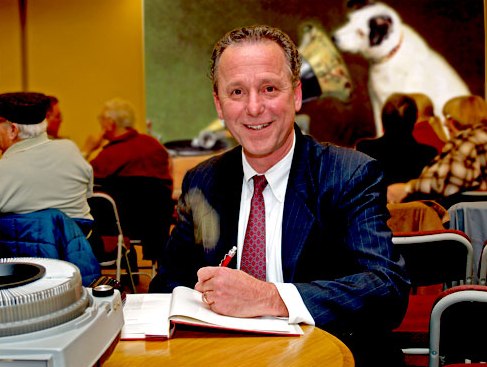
column 179, row 40
column 179, row 36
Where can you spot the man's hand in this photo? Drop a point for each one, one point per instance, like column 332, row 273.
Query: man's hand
column 235, row 293
column 92, row 143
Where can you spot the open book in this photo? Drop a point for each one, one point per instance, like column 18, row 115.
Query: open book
column 155, row 315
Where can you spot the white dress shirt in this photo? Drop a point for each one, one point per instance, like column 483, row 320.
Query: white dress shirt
column 274, row 194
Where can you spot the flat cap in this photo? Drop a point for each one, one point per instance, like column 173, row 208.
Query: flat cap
column 26, row 108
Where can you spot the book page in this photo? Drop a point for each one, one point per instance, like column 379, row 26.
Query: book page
column 146, row 316
column 187, row 307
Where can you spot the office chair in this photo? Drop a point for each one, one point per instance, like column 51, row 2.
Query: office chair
column 463, row 197
column 458, row 320
column 470, row 217
column 107, row 236
column 433, row 258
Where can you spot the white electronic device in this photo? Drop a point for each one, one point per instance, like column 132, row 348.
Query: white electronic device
column 48, row 319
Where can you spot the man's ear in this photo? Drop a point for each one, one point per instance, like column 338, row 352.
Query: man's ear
column 218, row 107
column 13, row 132
column 298, row 96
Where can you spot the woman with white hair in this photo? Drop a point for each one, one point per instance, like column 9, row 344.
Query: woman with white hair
column 127, row 152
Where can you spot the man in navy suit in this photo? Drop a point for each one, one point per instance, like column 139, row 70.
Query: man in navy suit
column 329, row 256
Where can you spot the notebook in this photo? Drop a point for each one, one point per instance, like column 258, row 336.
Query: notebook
column 156, row 315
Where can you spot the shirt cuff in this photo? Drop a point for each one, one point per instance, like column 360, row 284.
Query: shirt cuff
column 298, row 312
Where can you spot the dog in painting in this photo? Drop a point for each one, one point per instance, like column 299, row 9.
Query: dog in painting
column 400, row 60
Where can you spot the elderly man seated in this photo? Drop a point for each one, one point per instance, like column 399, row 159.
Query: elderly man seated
column 39, row 176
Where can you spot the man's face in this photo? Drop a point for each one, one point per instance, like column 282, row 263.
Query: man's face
column 108, row 127
column 54, row 119
column 256, row 99
column 8, row 134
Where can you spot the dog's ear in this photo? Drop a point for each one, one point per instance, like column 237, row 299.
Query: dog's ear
column 379, row 29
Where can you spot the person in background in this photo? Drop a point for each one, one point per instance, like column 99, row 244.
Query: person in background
column 135, row 169
column 38, row 175
column 429, row 129
column 35, row 172
column 125, row 151
column 461, row 165
column 54, row 118
column 401, row 155
column 328, row 257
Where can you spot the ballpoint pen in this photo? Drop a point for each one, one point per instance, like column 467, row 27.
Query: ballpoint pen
column 228, row 257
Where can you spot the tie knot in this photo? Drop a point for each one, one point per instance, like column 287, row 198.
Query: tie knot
column 259, row 183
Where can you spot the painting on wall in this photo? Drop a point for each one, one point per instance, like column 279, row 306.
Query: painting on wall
column 179, row 37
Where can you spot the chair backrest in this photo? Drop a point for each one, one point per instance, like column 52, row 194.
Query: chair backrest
column 471, row 218
column 475, row 195
column 105, row 213
column 145, row 206
column 464, row 197
column 483, row 265
column 459, row 314
column 107, row 236
column 436, row 257
column 106, row 226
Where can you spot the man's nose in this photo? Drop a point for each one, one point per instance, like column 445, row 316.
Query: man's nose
column 255, row 104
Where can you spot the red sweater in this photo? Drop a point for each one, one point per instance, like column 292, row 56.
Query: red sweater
column 132, row 154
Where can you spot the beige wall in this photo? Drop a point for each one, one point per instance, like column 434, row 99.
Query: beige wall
column 10, row 61
column 82, row 51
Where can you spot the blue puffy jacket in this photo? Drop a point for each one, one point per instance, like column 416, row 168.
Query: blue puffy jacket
column 48, row 233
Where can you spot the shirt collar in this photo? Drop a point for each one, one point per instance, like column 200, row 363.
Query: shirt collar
column 26, row 144
column 131, row 132
column 276, row 175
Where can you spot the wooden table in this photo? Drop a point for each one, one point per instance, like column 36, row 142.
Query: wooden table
column 202, row 348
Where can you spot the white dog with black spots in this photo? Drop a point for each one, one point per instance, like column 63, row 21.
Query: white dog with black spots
column 400, row 59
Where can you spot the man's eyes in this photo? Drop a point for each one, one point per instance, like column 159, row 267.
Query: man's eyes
column 266, row 90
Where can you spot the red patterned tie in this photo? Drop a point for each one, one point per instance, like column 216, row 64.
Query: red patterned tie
column 253, row 254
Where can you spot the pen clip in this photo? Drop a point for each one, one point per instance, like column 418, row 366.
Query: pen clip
column 228, row 257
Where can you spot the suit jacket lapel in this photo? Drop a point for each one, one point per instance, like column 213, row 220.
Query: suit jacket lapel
column 298, row 218
column 227, row 193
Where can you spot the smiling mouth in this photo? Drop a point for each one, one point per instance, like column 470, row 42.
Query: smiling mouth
column 257, row 127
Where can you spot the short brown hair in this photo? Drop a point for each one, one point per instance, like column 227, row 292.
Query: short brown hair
column 257, row 33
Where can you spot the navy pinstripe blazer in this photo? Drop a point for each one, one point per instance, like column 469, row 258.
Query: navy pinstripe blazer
column 336, row 246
